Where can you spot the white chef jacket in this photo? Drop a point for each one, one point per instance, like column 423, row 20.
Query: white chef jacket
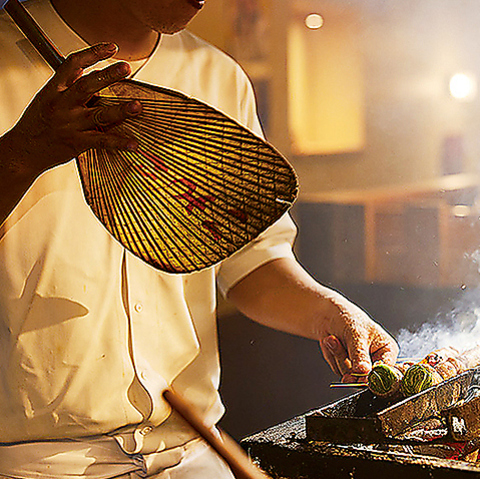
column 89, row 334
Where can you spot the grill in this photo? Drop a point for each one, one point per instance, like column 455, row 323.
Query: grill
column 433, row 434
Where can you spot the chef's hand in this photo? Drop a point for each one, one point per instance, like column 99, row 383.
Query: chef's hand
column 354, row 342
column 282, row 295
column 59, row 123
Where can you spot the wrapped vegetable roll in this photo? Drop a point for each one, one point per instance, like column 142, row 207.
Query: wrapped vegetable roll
column 470, row 358
column 384, row 380
column 410, row 378
column 419, row 377
column 426, row 374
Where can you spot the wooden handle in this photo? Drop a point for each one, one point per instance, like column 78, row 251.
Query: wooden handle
column 223, row 444
column 34, row 33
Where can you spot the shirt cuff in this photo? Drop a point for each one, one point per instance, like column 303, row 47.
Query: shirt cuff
column 274, row 243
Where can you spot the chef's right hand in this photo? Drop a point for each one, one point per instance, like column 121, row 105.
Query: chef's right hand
column 59, row 124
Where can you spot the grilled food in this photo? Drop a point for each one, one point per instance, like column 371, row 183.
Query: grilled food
column 410, row 378
column 385, row 380
column 438, row 367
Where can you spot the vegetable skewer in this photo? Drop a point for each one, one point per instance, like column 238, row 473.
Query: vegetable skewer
column 385, row 380
column 411, row 378
column 435, row 369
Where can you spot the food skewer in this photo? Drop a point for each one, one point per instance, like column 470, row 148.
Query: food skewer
column 435, row 369
column 411, row 378
column 408, row 377
column 349, row 385
column 362, row 375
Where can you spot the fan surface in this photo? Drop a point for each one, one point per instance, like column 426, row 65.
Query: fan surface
column 199, row 187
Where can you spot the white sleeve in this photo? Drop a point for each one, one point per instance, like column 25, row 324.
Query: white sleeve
column 274, row 243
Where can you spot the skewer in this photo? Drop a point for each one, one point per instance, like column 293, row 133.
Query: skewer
column 349, row 385
column 223, row 444
column 362, row 375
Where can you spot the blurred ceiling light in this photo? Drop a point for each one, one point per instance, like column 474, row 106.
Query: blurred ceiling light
column 314, row 21
column 463, row 86
column 461, row 211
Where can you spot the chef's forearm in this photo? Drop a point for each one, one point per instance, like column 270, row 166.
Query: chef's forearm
column 281, row 295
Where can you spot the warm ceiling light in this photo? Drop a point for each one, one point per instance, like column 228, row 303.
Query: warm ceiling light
column 461, row 211
column 314, row 21
column 463, row 86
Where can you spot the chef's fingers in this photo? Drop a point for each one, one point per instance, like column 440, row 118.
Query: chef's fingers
column 359, row 354
column 386, row 352
column 105, row 141
column 75, row 63
column 335, row 355
column 328, row 354
column 86, row 86
column 102, row 118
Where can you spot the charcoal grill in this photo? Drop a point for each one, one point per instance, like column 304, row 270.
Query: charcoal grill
column 362, row 436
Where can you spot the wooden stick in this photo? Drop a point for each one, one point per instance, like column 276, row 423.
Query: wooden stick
column 34, row 33
column 223, row 444
column 349, row 385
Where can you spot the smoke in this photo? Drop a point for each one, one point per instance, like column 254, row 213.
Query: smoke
column 462, row 332
column 459, row 328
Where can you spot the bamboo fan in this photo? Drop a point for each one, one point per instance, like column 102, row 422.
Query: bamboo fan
column 200, row 187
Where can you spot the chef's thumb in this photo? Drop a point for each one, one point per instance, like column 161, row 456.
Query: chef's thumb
column 359, row 354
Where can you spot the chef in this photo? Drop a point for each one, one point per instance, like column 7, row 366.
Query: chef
column 90, row 335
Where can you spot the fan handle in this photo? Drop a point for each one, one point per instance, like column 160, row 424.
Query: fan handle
column 34, row 33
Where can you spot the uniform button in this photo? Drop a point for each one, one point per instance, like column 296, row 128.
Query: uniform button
column 146, row 430
column 138, row 307
column 143, row 375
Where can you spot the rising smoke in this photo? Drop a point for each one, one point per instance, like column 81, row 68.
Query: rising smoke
column 460, row 328
column 461, row 331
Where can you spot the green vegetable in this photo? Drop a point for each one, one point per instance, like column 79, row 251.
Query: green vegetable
column 417, row 378
column 384, row 380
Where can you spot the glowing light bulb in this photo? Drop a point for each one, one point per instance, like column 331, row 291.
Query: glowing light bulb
column 314, row 21
column 463, row 86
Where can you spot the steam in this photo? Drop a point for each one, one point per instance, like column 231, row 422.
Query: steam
column 460, row 328
column 462, row 331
